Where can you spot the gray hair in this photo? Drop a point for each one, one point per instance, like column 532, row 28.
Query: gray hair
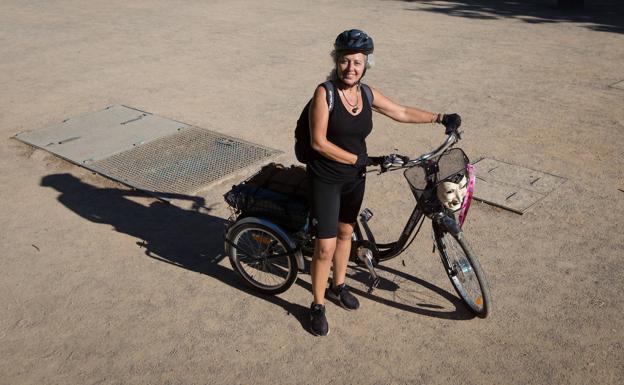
column 370, row 59
column 333, row 75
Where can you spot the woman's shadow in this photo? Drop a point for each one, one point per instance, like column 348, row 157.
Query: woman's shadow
column 185, row 238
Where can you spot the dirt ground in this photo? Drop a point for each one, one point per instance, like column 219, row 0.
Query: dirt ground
column 100, row 285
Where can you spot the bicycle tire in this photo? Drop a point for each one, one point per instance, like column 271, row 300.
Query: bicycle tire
column 260, row 255
column 463, row 269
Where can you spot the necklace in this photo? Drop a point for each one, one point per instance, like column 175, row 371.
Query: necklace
column 354, row 107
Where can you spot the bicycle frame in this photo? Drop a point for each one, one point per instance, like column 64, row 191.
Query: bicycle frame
column 386, row 251
column 389, row 250
column 367, row 251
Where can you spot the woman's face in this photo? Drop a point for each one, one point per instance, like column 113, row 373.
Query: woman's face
column 350, row 68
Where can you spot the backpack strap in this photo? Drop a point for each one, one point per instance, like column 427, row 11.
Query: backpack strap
column 369, row 94
column 329, row 94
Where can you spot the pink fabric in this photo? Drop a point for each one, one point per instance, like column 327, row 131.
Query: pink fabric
column 463, row 211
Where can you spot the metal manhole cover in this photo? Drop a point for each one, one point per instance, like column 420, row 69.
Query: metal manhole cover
column 146, row 151
column 512, row 187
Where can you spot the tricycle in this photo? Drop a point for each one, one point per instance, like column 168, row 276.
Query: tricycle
column 271, row 233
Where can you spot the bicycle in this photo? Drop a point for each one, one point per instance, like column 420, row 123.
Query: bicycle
column 268, row 256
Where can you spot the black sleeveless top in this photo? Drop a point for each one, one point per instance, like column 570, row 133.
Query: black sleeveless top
column 347, row 132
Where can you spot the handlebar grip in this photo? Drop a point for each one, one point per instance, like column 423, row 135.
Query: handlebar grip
column 395, row 160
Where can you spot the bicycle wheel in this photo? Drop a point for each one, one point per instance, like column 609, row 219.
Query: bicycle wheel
column 464, row 271
column 262, row 258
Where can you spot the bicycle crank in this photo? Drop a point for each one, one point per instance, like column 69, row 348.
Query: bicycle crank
column 366, row 256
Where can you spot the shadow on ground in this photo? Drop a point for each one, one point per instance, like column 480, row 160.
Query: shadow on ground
column 193, row 240
column 418, row 304
column 598, row 15
column 188, row 239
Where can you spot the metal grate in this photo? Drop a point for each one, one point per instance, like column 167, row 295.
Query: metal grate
column 181, row 163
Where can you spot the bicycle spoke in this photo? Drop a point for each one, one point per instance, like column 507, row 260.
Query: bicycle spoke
column 462, row 272
column 269, row 263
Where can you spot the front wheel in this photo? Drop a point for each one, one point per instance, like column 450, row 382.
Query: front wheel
column 464, row 271
column 262, row 258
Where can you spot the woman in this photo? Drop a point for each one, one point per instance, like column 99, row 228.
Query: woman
column 338, row 163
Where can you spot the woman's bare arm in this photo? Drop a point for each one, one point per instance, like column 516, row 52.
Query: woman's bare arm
column 400, row 113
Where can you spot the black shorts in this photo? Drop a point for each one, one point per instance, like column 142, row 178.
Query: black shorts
column 335, row 202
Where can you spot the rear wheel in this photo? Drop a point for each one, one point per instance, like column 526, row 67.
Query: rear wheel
column 464, row 271
column 262, row 258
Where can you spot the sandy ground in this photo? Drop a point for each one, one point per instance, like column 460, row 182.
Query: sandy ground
column 101, row 285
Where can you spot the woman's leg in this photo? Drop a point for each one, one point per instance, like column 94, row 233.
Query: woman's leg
column 325, row 206
column 351, row 198
column 339, row 291
column 321, row 263
column 341, row 255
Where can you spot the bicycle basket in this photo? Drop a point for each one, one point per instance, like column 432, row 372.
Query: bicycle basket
column 451, row 164
column 276, row 192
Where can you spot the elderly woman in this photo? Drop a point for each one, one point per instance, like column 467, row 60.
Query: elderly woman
column 338, row 163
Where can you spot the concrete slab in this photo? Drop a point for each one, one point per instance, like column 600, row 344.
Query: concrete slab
column 512, row 187
column 618, row 85
column 508, row 197
column 95, row 136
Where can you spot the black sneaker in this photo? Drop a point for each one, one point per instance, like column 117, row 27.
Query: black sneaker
column 341, row 294
column 318, row 321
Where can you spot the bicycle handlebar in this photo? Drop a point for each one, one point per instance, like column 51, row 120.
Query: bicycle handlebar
column 398, row 161
column 451, row 139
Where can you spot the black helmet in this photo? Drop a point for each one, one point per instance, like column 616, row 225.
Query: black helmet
column 354, row 40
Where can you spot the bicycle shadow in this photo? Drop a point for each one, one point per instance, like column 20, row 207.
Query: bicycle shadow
column 188, row 239
column 362, row 276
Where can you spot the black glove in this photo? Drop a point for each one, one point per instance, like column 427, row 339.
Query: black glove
column 377, row 160
column 395, row 160
column 451, row 122
column 363, row 160
column 388, row 161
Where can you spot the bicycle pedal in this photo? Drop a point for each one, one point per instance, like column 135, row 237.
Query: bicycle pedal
column 366, row 214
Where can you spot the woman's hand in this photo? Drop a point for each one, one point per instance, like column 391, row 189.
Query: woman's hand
column 363, row 160
column 451, row 123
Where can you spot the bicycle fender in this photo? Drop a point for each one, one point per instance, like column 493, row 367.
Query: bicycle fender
column 278, row 230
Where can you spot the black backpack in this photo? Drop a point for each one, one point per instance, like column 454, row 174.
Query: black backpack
column 275, row 192
column 303, row 148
